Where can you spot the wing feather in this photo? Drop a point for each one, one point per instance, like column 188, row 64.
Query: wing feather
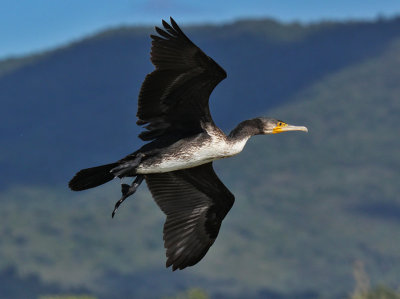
column 195, row 202
column 174, row 97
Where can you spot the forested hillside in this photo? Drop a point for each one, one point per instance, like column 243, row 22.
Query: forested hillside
column 85, row 94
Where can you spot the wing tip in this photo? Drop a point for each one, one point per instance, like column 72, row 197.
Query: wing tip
column 175, row 266
column 173, row 23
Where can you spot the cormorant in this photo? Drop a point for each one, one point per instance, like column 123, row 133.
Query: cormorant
column 183, row 143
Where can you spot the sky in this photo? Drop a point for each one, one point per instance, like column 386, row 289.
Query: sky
column 28, row 26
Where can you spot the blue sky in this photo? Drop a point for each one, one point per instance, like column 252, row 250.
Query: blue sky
column 28, row 26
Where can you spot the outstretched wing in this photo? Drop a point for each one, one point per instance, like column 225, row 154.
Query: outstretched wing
column 175, row 95
column 195, row 202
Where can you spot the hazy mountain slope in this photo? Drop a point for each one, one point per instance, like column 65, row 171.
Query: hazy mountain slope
column 308, row 205
column 329, row 198
column 80, row 101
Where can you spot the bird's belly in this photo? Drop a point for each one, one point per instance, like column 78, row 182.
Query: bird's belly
column 168, row 165
column 188, row 154
column 185, row 159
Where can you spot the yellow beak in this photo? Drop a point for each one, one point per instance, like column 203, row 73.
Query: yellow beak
column 287, row 128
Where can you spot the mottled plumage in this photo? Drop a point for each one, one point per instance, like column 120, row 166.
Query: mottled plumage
column 183, row 142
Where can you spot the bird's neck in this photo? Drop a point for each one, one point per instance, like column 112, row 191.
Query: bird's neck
column 244, row 131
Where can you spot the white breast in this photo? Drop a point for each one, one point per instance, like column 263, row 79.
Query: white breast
column 194, row 154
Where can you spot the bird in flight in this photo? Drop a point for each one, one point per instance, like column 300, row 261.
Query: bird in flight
column 183, row 142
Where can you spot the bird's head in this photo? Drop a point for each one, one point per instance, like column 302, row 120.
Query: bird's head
column 272, row 126
column 262, row 126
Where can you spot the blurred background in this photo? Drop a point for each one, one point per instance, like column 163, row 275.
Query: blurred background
column 316, row 215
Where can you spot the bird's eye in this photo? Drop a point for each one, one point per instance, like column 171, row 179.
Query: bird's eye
column 280, row 124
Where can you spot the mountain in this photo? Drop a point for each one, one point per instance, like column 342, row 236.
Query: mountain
column 308, row 206
column 84, row 94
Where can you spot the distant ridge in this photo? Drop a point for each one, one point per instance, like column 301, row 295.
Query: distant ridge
column 65, row 103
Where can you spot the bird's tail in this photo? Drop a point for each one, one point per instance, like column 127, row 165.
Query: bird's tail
column 92, row 177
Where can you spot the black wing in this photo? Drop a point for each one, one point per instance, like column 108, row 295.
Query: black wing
column 195, row 202
column 175, row 95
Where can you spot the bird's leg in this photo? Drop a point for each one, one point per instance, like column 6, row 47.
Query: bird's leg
column 128, row 190
column 126, row 167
